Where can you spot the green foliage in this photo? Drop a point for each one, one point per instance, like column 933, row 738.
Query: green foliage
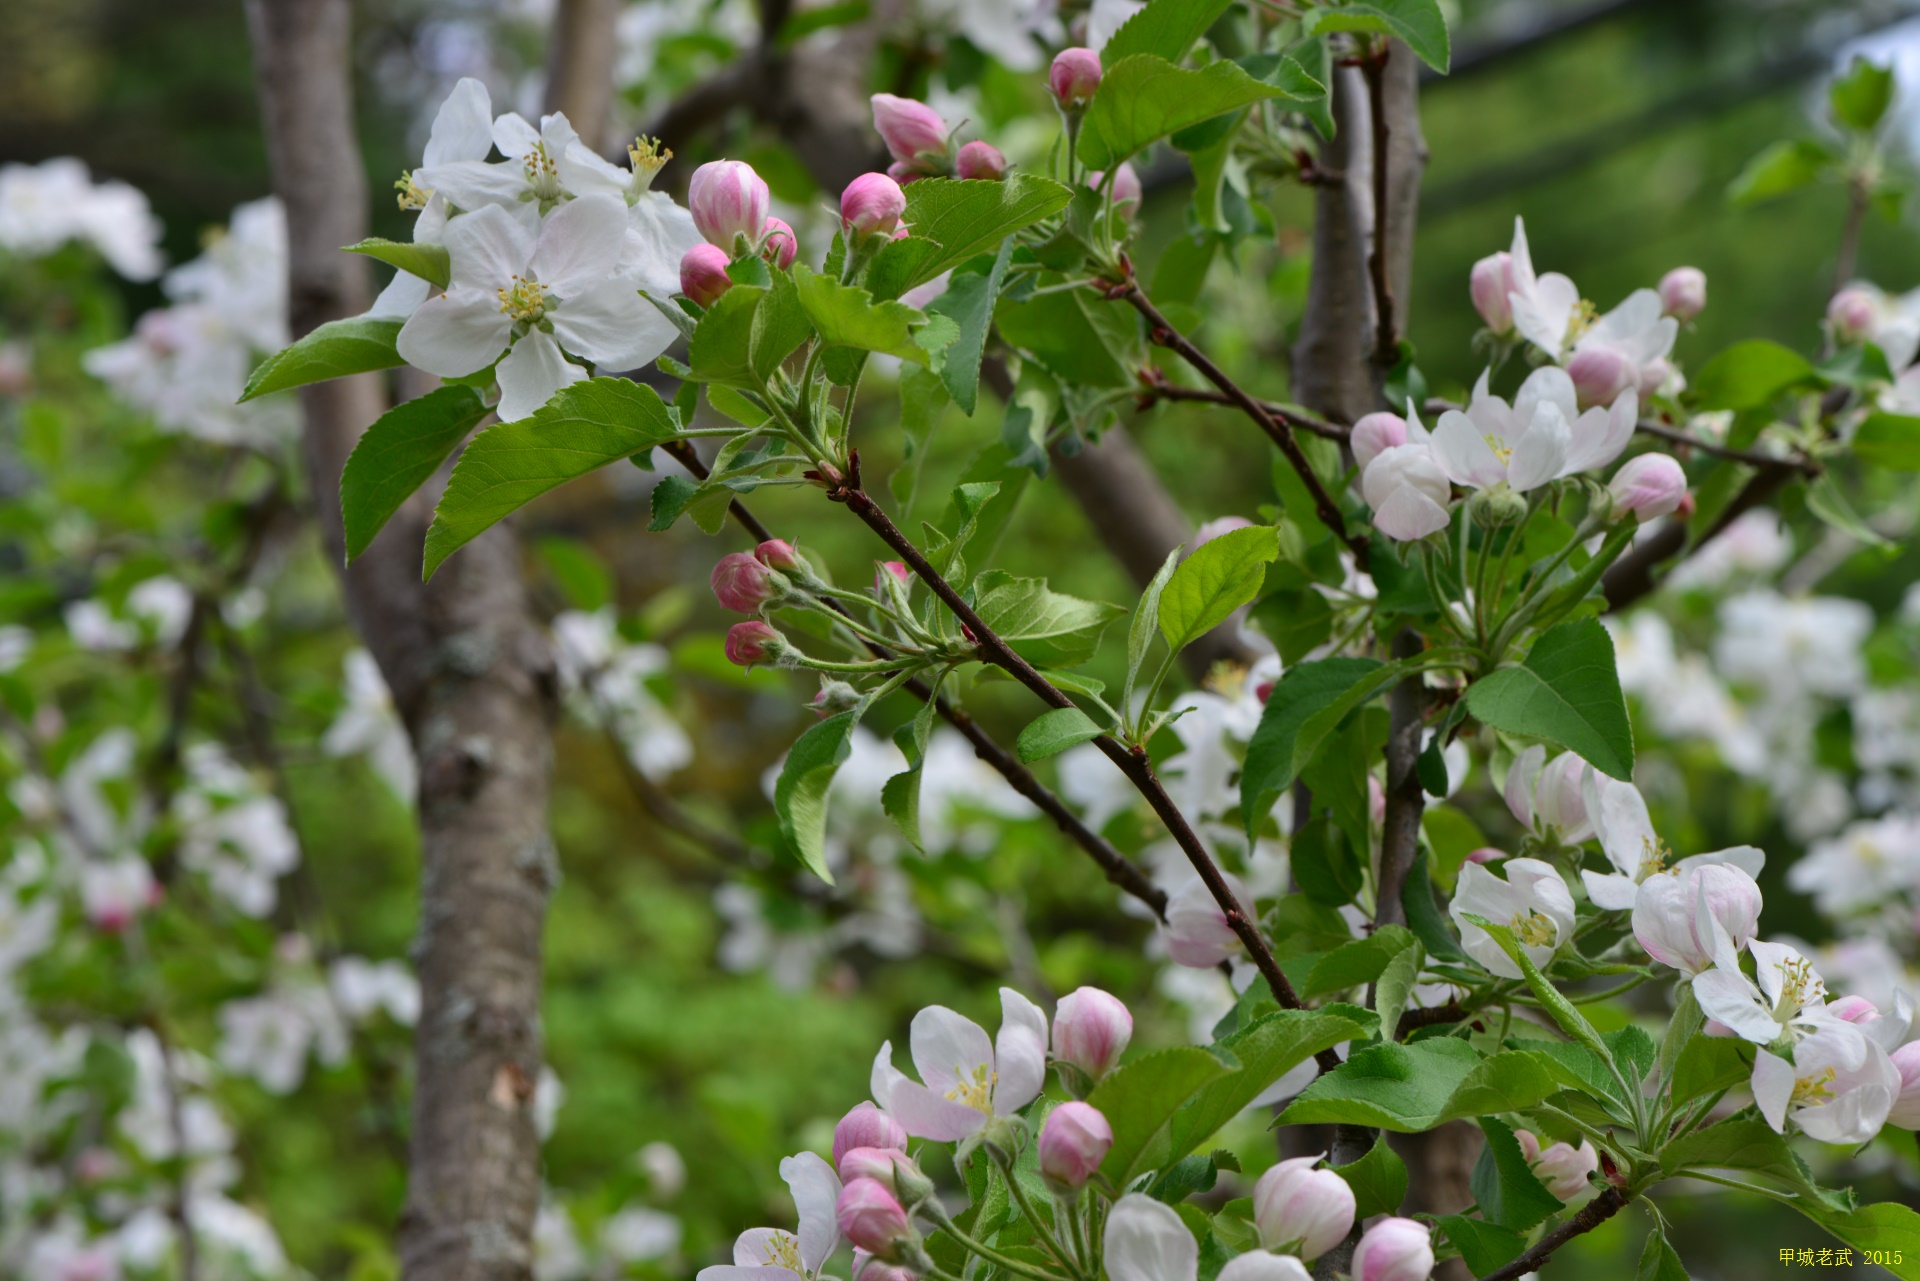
column 1485, row 1246
column 1749, row 374
column 1378, row 1180
column 1889, row 440
column 1419, row 23
column 1658, row 1262
column 1218, row 578
column 415, row 257
column 1165, row 28
column 1566, row 692
column 1506, row 1188
column 1413, row 1087
column 1054, row 732
column 1143, row 98
column 397, row 454
column 956, row 219
column 1307, row 704
column 968, row 302
column 1042, row 625
column 1146, row 617
column 333, row 350
column 1782, row 167
column 1361, row 961
column 1139, row 1100
column 1861, row 97
column 800, row 795
column 849, row 317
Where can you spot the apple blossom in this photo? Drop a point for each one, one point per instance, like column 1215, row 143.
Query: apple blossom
column 1533, row 901
column 1408, row 491
column 894, row 571
column 1543, row 307
column 1196, row 930
column 968, row 1080
column 866, row 1126
column 1601, row 373
column 1127, row 191
column 1091, row 1029
column 778, row 244
column 1073, row 1142
column 1683, row 292
column 1906, row 1105
column 1074, row 76
column 703, row 274
column 1697, row 918
column 1491, row 283
column 728, row 201
column 1648, row 486
column 1788, row 999
column 532, row 297
column 1839, row 1087
column 871, row 206
column 528, row 184
column 762, row 1254
column 1264, row 1265
column 1374, row 434
column 753, row 642
column 114, row 891
column 868, row 1163
column 1851, row 312
column 869, row 1216
column 916, row 136
column 1619, row 818
column 1296, row 1206
column 1145, row 1240
column 778, row 553
column 1635, row 334
column 868, row 1268
column 1561, row 1166
column 742, row 584
column 1540, row 437
column 981, row 161
column 1394, row 1249
column 1546, row 798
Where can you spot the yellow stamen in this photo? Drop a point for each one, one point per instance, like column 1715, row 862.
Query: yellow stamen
column 543, row 176
column 1501, row 450
column 412, row 194
column 975, row 1088
column 1655, row 854
column 783, row 1251
column 1584, row 314
column 1809, row 1090
column 524, row 300
column 646, row 155
column 1534, row 929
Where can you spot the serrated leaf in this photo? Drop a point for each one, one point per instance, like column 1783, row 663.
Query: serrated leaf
column 1378, row 1180
column 1708, row 1063
column 850, row 318
column 397, row 454
column 1358, row 962
column 1146, row 615
column 1566, row 692
column 1139, row 1099
column 1779, row 169
column 721, row 349
column 1267, row 1049
column 1307, row 703
column 1419, row 23
column 1393, row 990
column 415, row 257
column 1749, row 375
column 336, row 349
column 1042, row 625
column 1484, row 1246
column 1825, row 500
column 1658, row 1262
column 1165, row 28
column 952, row 220
column 779, row 327
column 800, row 795
column 1412, row 1087
column 1054, row 732
column 584, row 426
column 968, row 302
column 1507, row 1189
column 1218, row 578
column 1143, row 98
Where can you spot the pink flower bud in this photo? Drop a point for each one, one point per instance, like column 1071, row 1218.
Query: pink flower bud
column 869, row 1163
column 1073, row 1143
column 1653, row 375
column 895, row 568
column 1853, row 1009
column 778, row 553
column 1562, row 1167
column 752, row 642
column 1074, row 76
column 1683, row 295
column 1263, row 691
column 868, row 1268
column 1906, row 1108
column 1374, row 434
column 777, row 243
column 913, row 131
column 1601, row 373
column 1126, row 188
column 1091, row 1029
column 114, row 891
column 1490, row 283
column 1852, row 313
column 1680, row 917
column 742, row 584
column 981, row 160
column 728, row 200
column 1295, row 1204
column 903, row 175
column 1485, row 854
column 867, row 1127
column 703, row 274
column 871, row 205
column 1394, row 1250
column 1649, row 485
column 1217, row 526
column 871, row 1218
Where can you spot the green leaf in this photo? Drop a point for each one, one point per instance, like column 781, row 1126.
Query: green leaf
column 1709, row 1063
column 1292, row 725
column 333, row 350
column 415, row 257
column 1394, row 988
column 1424, row 917
column 1218, row 578
column 1658, row 1262
column 1316, row 62
column 1413, row 1087
column 1750, row 374
column 800, row 795
column 584, row 578
column 1825, row 500
column 1054, row 732
column 584, row 426
column 955, row 219
column 1266, row 1049
column 1484, row 1246
column 968, row 302
column 1888, row 1231
column 1361, row 961
column 1780, row 168
column 1566, row 692
column 1165, row 28
column 1040, row 624
column 721, row 349
column 1862, row 95
column 1323, row 860
column 1508, row 1190
column 900, row 795
column 779, row 326
column 1143, row 98
column 1140, row 1098
column 1140, row 631
column 1297, row 621
column 397, row 454
column 1564, row 1012
column 1060, row 334
column 849, row 317
column 1418, row 22
column 1378, row 1180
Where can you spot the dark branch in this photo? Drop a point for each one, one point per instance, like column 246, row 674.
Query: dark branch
column 1591, row 1216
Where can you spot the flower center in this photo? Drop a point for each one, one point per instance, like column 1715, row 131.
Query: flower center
column 1534, row 929
column 1584, row 314
column 646, row 155
column 1809, row 1090
column 975, row 1088
column 783, row 1251
column 543, row 178
column 1798, row 985
column 411, row 194
column 524, row 300
column 1501, row 450
column 1655, row 854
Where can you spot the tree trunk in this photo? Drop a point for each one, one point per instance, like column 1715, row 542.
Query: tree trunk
column 580, row 67
column 472, row 676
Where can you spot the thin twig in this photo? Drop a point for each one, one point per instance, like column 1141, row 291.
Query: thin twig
column 1591, row 1216
column 1631, row 577
column 1752, row 458
column 1387, row 341
column 1849, row 254
column 1160, row 389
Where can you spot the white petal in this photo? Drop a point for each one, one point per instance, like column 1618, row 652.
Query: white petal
column 1854, row 1117
column 1521, row 780
column 659, row 233
column 884, row 1077
column 815, row 1189
column 475, row 184
column 613, row 326
column 1602, row 435
column 758, row 1247
column 926, row 1115
column 532, row 372
column 1409, row 514
column 1542, row 451
column 1726, row 995
column 401, row 298
column 455, row 334
column 735, row 1272
column 558, row 133
column 1019, row 1053
column 1522, row 256
column 463, row 127
column 949, row 1049
column 486, row 249
column 1542, row 317
column 513, row 135
column 584, row 173
column 1463, row 453
column 1623, row 824
column 1263, row 1265
column 1548, row 384
column 580, row 244
column 1146, row 1241
column 1611, row 893
column 1772, row 1088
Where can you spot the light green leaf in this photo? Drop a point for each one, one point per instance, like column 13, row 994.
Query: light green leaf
column 1139, row 1100
column 1306, row 705
column 1418, row 22
column 721, row 349
column 779, row 326
column 1564, row 1012
column 584, row 426
column 1825, row 500
column 1780, row 168
column 1889, row 440
column 1140, row 631
column 1143, row 98
column 1658, row 1262
column 1749, row 375
column 849, row 317
column 1040, row 624
column 1266, row 1049
column 968, row 302
column 1394, row 988
column 1508, row 1190
column 1378, row 1180
column 800, row 795
column 955, row 219
column 1218, row 578
column 1861, row 97
column 1567, row 692
column 1358, row 962
column 1054, row 732
column 900, row 796
column 415, row 257
column 333, row 350
column 1165, row 28
column 1888, row 1231
column 1708, row 1063
column 396, row 455
column 1413, row 1087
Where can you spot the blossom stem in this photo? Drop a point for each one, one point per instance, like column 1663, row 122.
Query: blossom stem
column 1047, row 1235
column 935, row 1211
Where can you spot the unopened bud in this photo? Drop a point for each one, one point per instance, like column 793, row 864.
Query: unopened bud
column 728, row 201
column 897, row 570
column 1562, row 1167
column 1374, row 434
column 778, row 553
column 703, row 274
column 1394, row 1250
column 871, row 205
column 1074, row 1141
column 753, row 642
column 915, row 134
column 866, row 1126
column 869, row 1163
column 1073, row 77
column 981, row 160
column 777, row 243
column 835, row 696
column 1091, row 1030
column 742, row 584
column 1490, row 283
column 870, row 1217
column 1126, row 188
column 1600, row 374
column 1683, row 294
column 1647, row 486
column 1852, row 312
column 1296, row 1205
column 1497, row 508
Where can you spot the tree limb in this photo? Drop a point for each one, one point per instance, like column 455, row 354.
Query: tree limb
column 580, row 55
column 1591, row 1215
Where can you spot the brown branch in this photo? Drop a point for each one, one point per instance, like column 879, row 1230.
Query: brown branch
column 1592, row 1215
column 1386, row 351
column 1798, row 462
column 1406, row 797
column 1159, row 389
column 1632, row 576
column 1844, row 263
column 1165, row 335
column 1428, row 1016
column 1333, row 372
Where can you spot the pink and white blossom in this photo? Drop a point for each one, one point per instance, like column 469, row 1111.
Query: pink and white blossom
column 1619, row 817
column 965, row 1079
column 1532, row 901
column 1839, row 1087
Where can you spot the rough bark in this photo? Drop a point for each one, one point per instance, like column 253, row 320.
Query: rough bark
column 580, row 66
column 1439, row 1177
column 472, row 677
column 1332, row 365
